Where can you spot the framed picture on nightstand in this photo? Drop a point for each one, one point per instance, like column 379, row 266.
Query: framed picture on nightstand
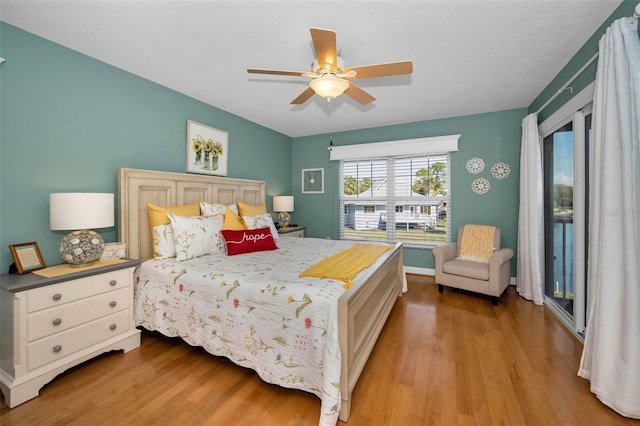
column 27, row 257
column 313, row 181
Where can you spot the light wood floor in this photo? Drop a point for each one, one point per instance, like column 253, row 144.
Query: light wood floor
column 442, row 359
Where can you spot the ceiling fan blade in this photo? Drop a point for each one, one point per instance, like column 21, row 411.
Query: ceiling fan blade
column 275, row 72
column 324, row 41
column 303, row 97
column 358, row 94
column 382, row 70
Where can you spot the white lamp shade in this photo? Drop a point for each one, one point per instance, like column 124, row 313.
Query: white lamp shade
column 329, row 86
column 80, row 210
column 283, row 203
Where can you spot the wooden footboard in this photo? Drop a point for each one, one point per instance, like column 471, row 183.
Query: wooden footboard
column 362, row 312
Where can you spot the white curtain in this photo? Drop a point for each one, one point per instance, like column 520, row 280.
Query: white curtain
column 530, row 274
column 611, row 354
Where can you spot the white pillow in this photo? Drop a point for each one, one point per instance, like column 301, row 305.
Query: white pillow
column 208, row 209
column 196, row 235
column 261, row 221
column 163, row 241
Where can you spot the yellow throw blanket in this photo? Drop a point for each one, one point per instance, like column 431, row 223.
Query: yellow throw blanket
column 346, row 264
column 477, row 243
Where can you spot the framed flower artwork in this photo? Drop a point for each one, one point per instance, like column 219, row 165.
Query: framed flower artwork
column 207, row 149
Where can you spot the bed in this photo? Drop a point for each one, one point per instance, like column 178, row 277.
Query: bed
column 321, row 334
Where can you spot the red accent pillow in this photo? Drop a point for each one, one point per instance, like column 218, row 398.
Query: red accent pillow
column 248, row 240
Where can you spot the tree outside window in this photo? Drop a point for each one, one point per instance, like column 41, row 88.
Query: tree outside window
column 431, row 180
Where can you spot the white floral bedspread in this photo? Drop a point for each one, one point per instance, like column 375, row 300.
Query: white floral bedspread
column 255, row 310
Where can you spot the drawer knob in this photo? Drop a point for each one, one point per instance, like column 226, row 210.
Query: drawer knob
column 113, row 303
column 112, row 327
column 57, row 321
column 113, row 283
column 57, row 348
column 57, row 296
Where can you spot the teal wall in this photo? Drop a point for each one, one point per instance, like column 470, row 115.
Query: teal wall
column 494, row 137
column 69, row 122
column 583, row 55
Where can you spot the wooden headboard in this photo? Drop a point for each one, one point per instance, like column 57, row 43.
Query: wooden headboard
column 136, row 188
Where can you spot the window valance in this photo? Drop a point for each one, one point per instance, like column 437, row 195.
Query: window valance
column 418, row 146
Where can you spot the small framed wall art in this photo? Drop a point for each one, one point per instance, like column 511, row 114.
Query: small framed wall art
column 27, row 257
column 207, row 149
column 313, row 181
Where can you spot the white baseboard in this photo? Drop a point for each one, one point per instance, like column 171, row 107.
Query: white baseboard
column 419, row 271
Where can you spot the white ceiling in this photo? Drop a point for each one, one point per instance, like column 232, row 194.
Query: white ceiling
column 469, row 56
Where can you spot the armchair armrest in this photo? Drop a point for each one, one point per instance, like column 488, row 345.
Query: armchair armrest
column 443, row 254
column 500, row 256
column 499, row 271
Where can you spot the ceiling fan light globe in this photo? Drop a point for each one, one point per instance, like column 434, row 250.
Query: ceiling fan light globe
column 329, row 86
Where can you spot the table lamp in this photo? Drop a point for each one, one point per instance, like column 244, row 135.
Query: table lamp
column 81, row 212
column 283, row 204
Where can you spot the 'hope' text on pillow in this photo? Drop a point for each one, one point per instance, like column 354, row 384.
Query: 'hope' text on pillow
column 248, row 241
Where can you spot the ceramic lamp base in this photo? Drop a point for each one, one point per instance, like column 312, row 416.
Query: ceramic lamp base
column 284, row 219
column 81, row 248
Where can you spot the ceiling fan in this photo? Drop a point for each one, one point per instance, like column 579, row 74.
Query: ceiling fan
column 330, row 78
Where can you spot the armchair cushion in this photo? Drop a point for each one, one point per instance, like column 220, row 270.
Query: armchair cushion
column 467, row 268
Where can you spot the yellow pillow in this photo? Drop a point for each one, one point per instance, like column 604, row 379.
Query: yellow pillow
column 232, row 221
column 158, row 214
column 251, row 210
column 162, row 240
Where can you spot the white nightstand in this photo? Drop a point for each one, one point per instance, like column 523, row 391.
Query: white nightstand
column 52, row 324
column 292, row 231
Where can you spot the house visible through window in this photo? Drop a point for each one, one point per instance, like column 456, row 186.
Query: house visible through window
column 396, row 199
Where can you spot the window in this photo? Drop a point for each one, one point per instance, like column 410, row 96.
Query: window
column 396, row 199
column 396, row 191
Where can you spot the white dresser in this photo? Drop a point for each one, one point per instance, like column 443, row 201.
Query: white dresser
column 52, row 324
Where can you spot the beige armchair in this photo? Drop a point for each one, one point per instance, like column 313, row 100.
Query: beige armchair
column 490, row 278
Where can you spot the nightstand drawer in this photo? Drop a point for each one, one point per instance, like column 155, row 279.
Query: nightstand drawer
column 54, row 320
column 67, row 342
column 58, row 294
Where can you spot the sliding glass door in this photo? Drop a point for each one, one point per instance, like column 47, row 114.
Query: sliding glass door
column 566, row 176
column 559, row 185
